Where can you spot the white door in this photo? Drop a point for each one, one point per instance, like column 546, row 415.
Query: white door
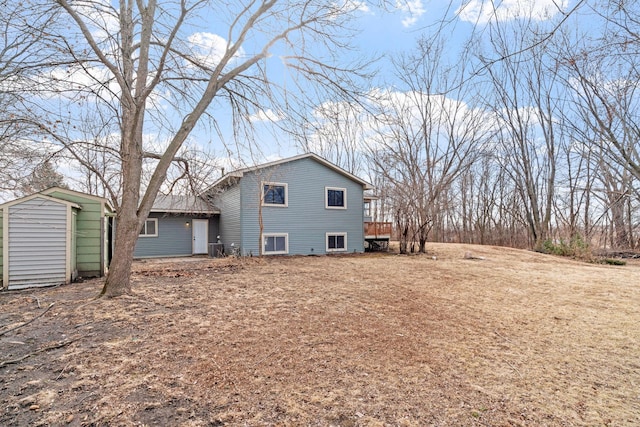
column 200, row 235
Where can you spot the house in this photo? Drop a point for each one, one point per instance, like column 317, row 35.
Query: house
column 50, row 238
column 178, row 226
column 300, row 205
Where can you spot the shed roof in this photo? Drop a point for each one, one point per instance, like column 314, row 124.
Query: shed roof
column 39, row 196
column 106, row 202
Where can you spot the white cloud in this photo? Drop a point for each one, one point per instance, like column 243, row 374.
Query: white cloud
column 340, row 8
column 413, row 8
column 208, row 48
column 359, row 6
column 377, row 126
column 483, row 11
column 266, row 116
column 103, row 19
column 88, row 82
column 71, row 81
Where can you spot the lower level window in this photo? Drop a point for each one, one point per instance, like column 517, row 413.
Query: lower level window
column 274, row 244
column 150, row 228
column 336, row 242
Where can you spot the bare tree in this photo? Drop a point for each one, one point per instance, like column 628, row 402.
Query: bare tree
column 602, row 77
column 147, row 70
column 477, row 202
column 337, row 133
column 609, row 111
column 526, row 107
column 426, row 140
column 22, row 29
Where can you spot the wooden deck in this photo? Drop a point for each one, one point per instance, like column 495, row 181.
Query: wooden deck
column 377, row 230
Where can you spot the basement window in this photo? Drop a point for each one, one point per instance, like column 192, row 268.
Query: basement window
column 336, row 242
column 275, row 244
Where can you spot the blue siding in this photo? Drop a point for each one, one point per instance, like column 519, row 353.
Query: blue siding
column 229, row 204
column 305, row 219
column 175, row 237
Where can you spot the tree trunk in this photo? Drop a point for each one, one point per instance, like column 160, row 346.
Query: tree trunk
column 620, row 239
column 119, row 278
column 128, row 220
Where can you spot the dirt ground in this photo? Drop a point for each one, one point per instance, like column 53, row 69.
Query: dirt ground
column 507, row 338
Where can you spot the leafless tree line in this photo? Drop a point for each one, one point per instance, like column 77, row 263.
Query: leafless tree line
column 539, row 149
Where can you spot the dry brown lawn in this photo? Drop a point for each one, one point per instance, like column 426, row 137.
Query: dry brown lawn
column 515, row 338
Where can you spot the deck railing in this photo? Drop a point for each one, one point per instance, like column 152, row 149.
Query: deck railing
column 377, row 229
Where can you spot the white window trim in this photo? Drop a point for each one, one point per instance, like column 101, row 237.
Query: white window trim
column 286, row 243
column 367, row 208
column 326, row 198
column 286, row 194
column 144, row 228
column 326, row 242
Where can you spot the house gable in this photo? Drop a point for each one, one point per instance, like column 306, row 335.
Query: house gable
column 232, row 177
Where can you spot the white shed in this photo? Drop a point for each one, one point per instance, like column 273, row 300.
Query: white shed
column 38, row 242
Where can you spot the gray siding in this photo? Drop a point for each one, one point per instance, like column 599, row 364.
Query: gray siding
column 174, row 238
column 37, row 244
column 214, row 228
column 306, row 218
column 230, row 210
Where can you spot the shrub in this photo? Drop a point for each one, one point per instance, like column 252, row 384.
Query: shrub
column 612, row 261
column 575, row 247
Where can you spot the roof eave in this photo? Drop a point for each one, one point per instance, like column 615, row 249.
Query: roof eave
column 42, row 196
column 185, row 212
column 222, row 180
column 104, row 200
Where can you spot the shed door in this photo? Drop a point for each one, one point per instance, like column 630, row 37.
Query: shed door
column 200, row 233
column 37, row 244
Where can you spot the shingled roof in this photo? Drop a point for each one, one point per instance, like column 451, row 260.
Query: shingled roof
column 183, row 204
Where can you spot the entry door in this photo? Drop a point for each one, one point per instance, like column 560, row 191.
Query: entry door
column 200, row 235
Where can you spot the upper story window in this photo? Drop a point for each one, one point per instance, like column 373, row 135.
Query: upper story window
column 367, row 208
column 150, row 228
column 275, row 194
column 335, row 198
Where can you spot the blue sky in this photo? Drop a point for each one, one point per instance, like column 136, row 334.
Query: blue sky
column 383, row 33
column 390, row 32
